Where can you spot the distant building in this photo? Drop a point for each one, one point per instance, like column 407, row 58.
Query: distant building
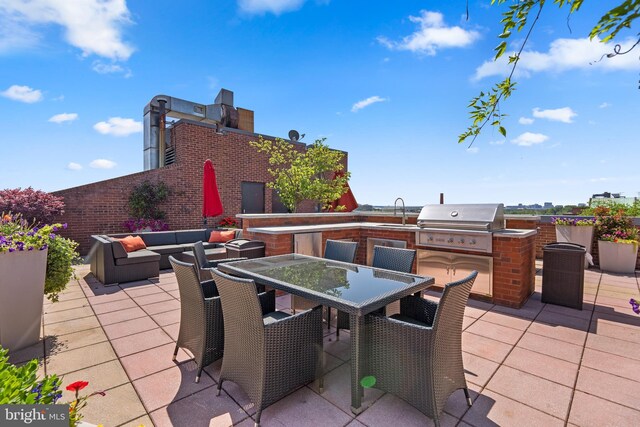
column 547, row 205
column 599, row 199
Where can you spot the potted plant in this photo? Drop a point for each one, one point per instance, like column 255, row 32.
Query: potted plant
column 33, row 261
column 576, row 230
column 617, row 240
column 228, row 222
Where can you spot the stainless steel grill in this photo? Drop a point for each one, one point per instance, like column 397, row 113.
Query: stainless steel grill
column 467, row 227
column 459, row 227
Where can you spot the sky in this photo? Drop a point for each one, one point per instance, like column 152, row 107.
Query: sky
column 388, row 82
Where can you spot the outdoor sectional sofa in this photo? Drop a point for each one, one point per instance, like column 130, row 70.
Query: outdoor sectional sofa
column 111, row 264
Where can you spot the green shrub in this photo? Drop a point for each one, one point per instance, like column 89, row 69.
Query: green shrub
column 145, row 198
column 60, row 258
column 20, row 384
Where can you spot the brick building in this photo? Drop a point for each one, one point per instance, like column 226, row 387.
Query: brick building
column 102, row 207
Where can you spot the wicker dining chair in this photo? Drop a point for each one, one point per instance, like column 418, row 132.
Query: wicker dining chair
column 201, row 323
column 389, row 258
column 204, row 265
column 267, row 355
column 417, row 354
column 339, row 250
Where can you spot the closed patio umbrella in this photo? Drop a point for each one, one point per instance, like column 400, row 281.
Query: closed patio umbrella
column 211, row 203
column 347, row 199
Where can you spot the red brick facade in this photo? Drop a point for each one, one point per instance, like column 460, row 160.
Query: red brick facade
column 102, row 207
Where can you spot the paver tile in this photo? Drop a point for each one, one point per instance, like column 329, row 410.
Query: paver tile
column 142, row 421
column 303, row 408
column 121, row 316
column 477, row 369
column 153, row 298
column 337, row 389
column 495, row 331
column 546, row 396
column 505, row 319
column 154, row 360
column 73, row 360
column 610, row 363
column 340, row 349
column 457, row 405
column 611, row 387
column 614, row 346
column 161, row 307
column 591, row 411
column 172, row 330
column 585, row 313
column 558, row 332
column 200, row 409
column 140, row 291
column 551, row 347
column 493, row 409
column 166, row 318
column 60, row 343
column 140, row 342
column 100, row 377
column 119, row 405
column 117, row 295
column 485, row 347
column 118, row 305
column 61, row 316
column 389, row 410
column 129, row 327
column 71, row 326
column 162, row 388
column 541, row 365
column 65, row 305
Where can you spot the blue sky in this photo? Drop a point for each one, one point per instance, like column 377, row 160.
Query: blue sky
column 386, row 81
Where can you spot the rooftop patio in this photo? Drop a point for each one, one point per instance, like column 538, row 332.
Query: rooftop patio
column 539, row 365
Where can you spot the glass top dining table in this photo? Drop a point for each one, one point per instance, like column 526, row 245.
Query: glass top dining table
column 352, row 288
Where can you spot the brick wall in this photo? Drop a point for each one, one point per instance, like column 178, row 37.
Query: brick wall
column 513, row 270
column 101, row 207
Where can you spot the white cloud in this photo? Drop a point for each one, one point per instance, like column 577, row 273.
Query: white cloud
column 93, row 26
column 102, row 164
column 64, row 117
column 525, row 120
column 564, row 115
column 74, row 166
column 113, row 68
column 563, row 55
column 273, row 6
column 497, row 142
column 604, row 105
column 473, row 150
column 118, row 126
column 22, row 94
column 366, row 102
column 433, row 34
column 528, row 139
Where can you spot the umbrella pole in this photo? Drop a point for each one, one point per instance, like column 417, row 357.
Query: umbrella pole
column 205, row 222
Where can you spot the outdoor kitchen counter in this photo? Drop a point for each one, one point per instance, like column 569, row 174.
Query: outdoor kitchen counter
column 293, row 229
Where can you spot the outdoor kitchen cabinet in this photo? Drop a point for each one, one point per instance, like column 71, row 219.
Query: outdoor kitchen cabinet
column 448, row 267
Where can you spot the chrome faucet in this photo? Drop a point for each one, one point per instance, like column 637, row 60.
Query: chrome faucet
column 404, row 211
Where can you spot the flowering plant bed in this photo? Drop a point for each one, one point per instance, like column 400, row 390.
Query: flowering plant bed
column 615, row 226
column 228, row 222
column 579, row 222
column 145, row 224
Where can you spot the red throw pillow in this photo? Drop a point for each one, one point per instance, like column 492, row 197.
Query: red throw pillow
column 221, row 236
column 132, row 243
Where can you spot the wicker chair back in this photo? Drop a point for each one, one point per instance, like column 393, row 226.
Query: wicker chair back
column 340, row 250
column 396, row 259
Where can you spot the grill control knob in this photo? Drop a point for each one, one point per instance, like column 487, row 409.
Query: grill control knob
column 430, row 239
column 461, row 241
column 472, row 241
column 450, row 240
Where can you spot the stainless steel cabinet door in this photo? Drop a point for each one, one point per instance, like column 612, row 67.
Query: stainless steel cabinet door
column 463, row 265
column 308, row 244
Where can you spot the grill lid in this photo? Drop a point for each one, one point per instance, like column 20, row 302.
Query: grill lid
column 486, row 217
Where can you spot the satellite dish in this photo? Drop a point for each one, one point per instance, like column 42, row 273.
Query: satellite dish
column 294, row 135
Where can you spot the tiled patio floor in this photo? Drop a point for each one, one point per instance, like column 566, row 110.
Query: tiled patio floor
column 542, row 365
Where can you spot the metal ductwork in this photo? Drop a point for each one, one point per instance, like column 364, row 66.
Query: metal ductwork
column 222, row 113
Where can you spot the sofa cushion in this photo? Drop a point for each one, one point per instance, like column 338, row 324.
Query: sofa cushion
column 132, row 243
column 207, row 245
column 159, row 238
column 118, row 250
column 190, row 236
column 138, row 257
column 166, row 249
column 221, row 236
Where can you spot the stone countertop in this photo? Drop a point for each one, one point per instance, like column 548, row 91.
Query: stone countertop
column 293, row 229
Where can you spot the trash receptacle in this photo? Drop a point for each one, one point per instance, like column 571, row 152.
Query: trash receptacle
column 563, row 274
column 237, row 248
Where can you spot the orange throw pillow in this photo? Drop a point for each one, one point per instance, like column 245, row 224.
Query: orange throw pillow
column 221, row 236
column 132, row 243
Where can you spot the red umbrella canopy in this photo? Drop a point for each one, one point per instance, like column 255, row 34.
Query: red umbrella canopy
column 211, row 203
column 347, row 199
